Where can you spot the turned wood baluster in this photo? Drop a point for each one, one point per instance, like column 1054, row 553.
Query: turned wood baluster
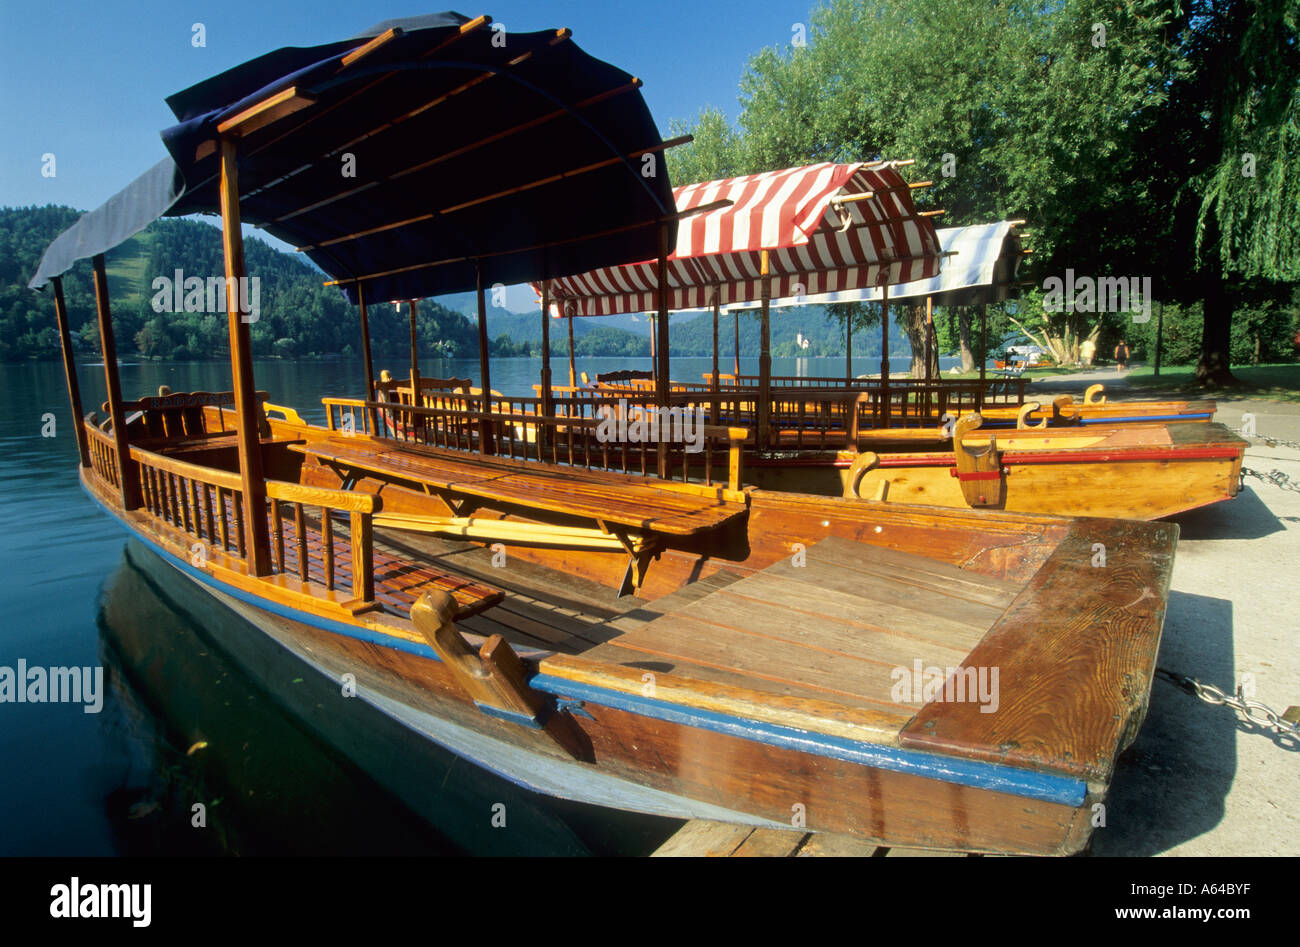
column 225, row 523
column 327, row 546
column 300, row 534
column 207, row 510
column 239, row 522
column 277, row 535
column 194, row 508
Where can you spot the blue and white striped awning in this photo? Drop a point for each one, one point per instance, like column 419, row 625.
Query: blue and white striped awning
column 981, row 264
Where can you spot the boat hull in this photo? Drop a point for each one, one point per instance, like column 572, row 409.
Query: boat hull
column 683, row 770
column 680, row 764
column 1125, row 481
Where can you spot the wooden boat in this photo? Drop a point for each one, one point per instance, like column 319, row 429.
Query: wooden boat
column 893, row 437
column 834, row 443
column 1000, row 402
column 632, row 626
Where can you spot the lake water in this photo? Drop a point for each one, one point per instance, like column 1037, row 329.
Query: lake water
column 180, row 723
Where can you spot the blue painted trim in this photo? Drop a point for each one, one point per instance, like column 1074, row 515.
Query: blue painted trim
column 524, row 720
column 1105, row 420
column 284, row 611
column 1148, row 417
column 994, row 776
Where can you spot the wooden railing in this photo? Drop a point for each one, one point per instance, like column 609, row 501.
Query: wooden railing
column 208, row 505
column 1010, row 391
column 103, row 454
column 588, row 432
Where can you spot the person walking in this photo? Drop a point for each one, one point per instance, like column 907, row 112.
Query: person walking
column 1087, row 351
column 1121, row 355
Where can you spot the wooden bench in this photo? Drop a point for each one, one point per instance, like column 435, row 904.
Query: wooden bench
column 629, row 512
column 677, row 509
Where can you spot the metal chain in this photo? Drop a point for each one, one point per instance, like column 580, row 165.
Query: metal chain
column 1261, row 715
column 1268, row 441
column 1275, row 477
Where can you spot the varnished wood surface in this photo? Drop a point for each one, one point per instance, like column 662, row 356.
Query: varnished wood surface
column 1076, row 654
column 587, row 494
column 829, row 622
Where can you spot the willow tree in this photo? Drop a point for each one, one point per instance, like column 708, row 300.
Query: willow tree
column 1248, row 222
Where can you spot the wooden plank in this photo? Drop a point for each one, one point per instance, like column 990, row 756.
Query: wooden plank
column 270, row 109
column 1091, row 662
column 819, row 589
column 828, row 673
column 915, row 570
column 770, row 843
column 351, row 501
column 820, row 845
column 878, row 637
column 701, row 838
column 896, row 852
column 365, row 49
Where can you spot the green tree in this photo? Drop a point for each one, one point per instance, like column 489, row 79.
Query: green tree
column 1012, row 110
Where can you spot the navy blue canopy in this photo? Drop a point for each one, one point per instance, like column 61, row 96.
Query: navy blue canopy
column 442, row 151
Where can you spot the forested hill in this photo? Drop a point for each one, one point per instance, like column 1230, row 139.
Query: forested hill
column 299, row 317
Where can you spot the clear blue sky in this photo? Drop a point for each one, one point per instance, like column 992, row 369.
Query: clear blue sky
column 86, row 80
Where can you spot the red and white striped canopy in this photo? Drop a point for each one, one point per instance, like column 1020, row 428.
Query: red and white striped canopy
column 817, row 242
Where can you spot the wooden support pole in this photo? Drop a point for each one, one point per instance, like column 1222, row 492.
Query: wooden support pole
column 363, row 562
column 415, row 357
column 713, row 412
column 258, row 547
column 848, row 349
column 573, row 375
column 663, row 371
column 884, row 355
column 365, row 353
column 764, row 353
column 547, row 405
column 70, row 372
column 485, row 428
column 929, row 340
column 125, row 467
column 663, row 395
column 737, row 350
column 984, row 357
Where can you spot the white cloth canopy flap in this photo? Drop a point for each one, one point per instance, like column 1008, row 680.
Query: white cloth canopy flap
column 971, row 262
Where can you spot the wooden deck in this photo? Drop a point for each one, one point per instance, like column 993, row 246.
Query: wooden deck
column 675, row 509
column 830, row 628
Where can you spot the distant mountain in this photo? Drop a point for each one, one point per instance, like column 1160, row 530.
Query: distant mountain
column 298, row 316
